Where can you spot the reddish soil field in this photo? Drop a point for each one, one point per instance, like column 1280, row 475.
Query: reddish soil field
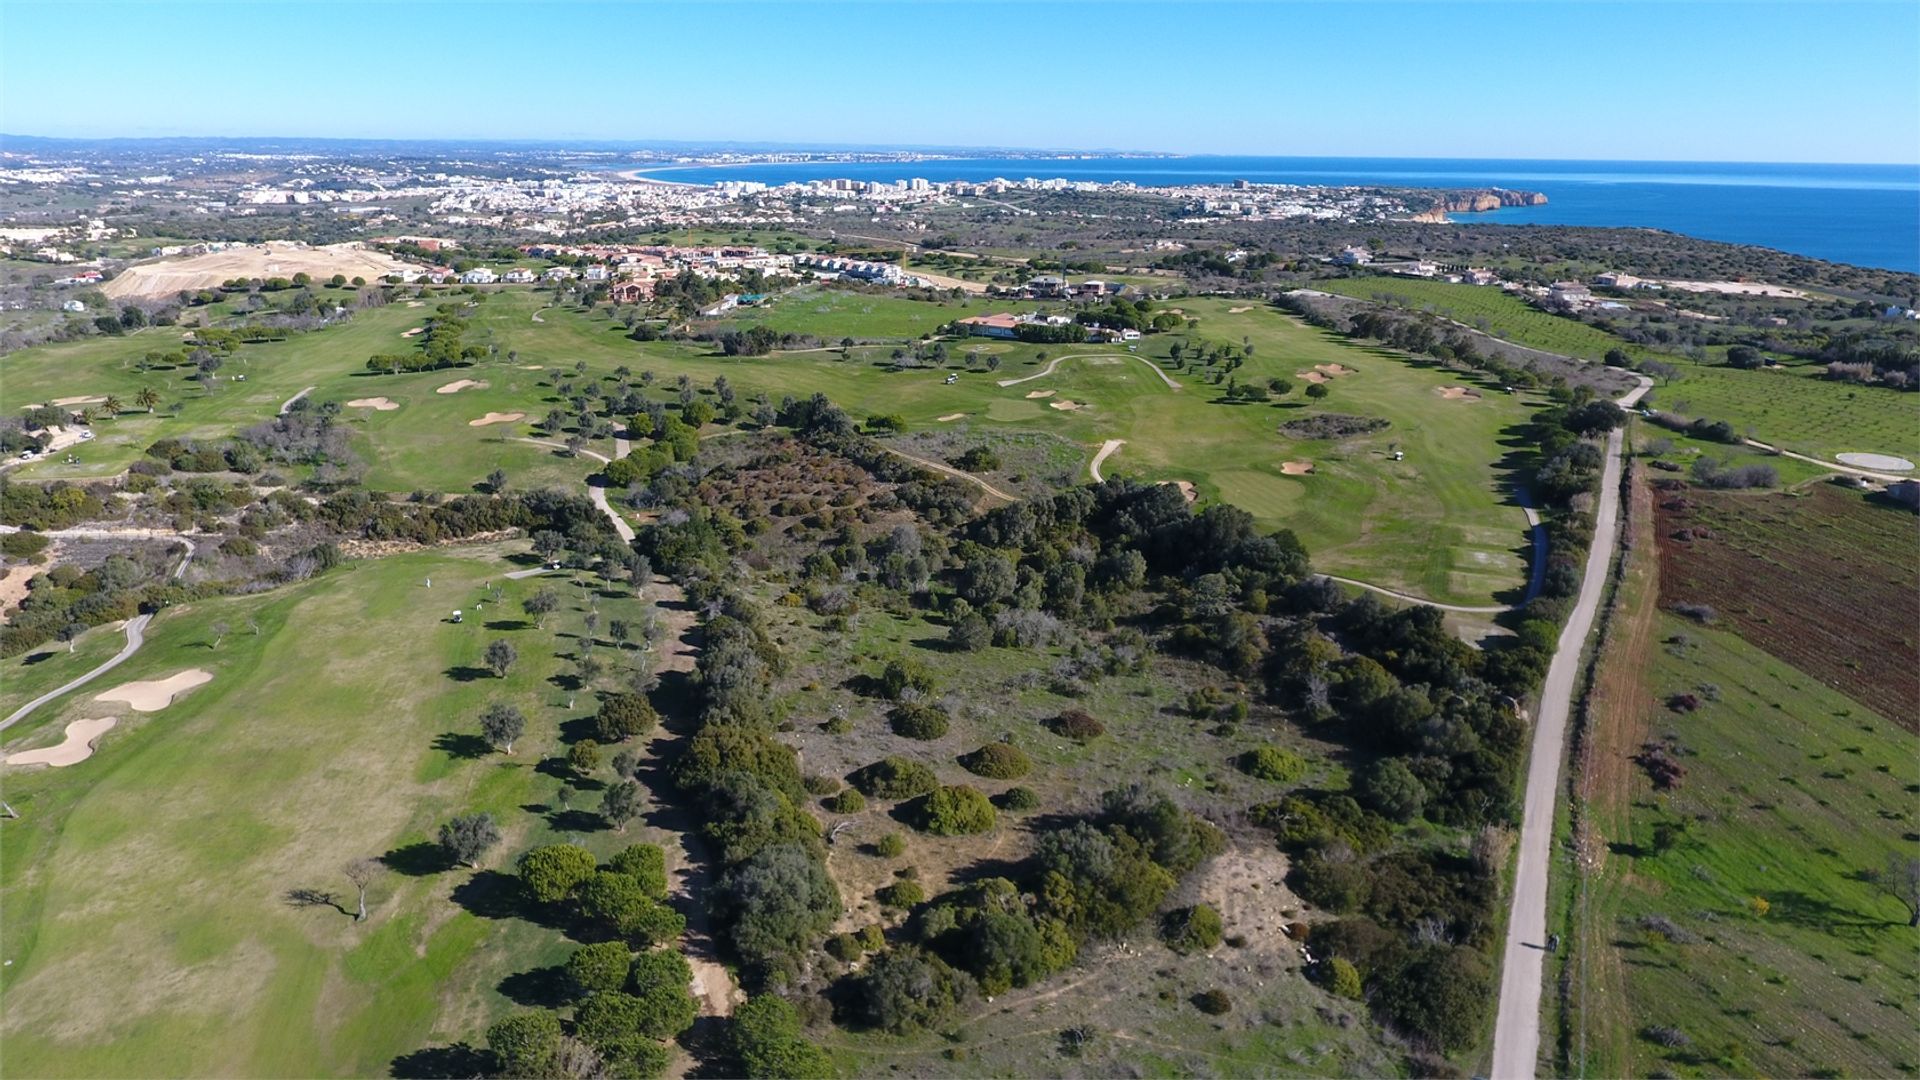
column 1826, row 579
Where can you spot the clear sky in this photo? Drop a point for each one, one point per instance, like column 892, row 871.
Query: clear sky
column 1691, row 80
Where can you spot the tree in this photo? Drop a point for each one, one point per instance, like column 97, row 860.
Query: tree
column 622, row 804
column 551, row 873
column 112, row 406
column 500, row 656
column 540, row 605
column 1316, row 391
column 525, row 1044
column 905, row 990
column 1901, row 877
column 497, row 481
column 548, row 545
column 620, row 904
column 468, row 837
column 71, row 632
column 764, row 1035
column 501, row 723
column 661, row 979
column 148, row 398
column 777, row 902
column 362, row 873
column 584, row 758
column 219, row 631
column 1392, row 789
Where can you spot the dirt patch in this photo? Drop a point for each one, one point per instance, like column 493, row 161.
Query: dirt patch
column 75, row 748
column 1457, row 393
column 1334, row 370
column 1296, row 468
column 15, row 582
column 1185, row 487
column 1877, row 462
column 497, row 418
column 1310, row 376
column 378, row 404
column 416, row 303
column 277, row 258
column 1247, row 886
column 458, row 385
column 953, row 416
column 1064, row 405
column 156, row 694
column 416, row 330
column 1041, row 393
column 533, row 367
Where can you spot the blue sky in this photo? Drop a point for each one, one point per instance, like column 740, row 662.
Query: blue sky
column 1692, row 80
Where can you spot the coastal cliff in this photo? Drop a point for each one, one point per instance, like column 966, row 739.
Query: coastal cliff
column 1475, row 201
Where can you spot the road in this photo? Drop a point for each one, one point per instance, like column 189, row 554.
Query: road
column 136, row 636
column 1516, row 1032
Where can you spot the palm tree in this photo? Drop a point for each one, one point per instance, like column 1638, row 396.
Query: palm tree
column 111, row 406
column 148, row 398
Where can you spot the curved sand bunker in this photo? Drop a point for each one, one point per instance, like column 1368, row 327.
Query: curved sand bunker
column 156, row 694
column 1310, row 376
column 1040, row 393
column 953, row 416
column 378, row 404
column 461, row 384
column 1185, row 487
column 75, row 748
column 1065, row 405
column 497, row 418
column 1882, row 462
column 1457, row 393
column 1296, row 468
column 412, row 332
column 1335, row 370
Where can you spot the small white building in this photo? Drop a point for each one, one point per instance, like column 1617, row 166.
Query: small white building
column 519, row 275
column 1354, row 256
column 73, row 305
column 479, row 275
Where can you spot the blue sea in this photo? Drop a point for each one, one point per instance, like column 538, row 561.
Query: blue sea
column 1868, row 215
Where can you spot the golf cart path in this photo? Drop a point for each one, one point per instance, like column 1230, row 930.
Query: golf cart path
column 1106, row 450
column 1516, row 1033
column 958, row 474
column 1411, row 599
column 1058, row 360
column 1852, row 470
column 136, row 628
column 287, row 405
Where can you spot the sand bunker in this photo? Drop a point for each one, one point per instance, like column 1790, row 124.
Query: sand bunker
column 1310, row 376
column 412, row 332
column 156, row 694
column 1242, row 310
column 1335, row 370
column 75, row 748
column 1296, row 468
column 458, row 385
column 1065, row 405
column 379, row 403
column 1040, row 393
column 953, row 416
column 84, row 399
column 533, row 367
column 1881, row 462
column 1457, row 393
column 416, row 303
column 1185, row 486
column 497, row 418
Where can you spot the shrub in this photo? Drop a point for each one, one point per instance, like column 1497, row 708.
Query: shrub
column 619, row 904
column 890, row 846
column 1018, row 800
column 524, row 1044
column 764, row 1035
column 956, row 810
column 918, row 720
column 1342, row 978
column 997, row 761
column 1213, row 1002
column 1273, row 763
column 905, row 990
column 901, row 895
column 894, row 778
column 904, row 674
column 623, row 716
column 584, row 757
column 847, row 802
column 1191, row 929
column 1078, row 725
column 820, row 785
column 970, row 633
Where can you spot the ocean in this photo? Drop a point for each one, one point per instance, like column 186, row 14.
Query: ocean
column 1867, row 215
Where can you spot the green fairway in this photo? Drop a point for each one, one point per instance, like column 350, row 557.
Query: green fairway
column 1489, row 309
column 833, row 314
column 36, row 671
column 148, row 927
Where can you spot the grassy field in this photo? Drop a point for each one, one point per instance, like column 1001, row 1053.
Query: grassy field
column 1439, row 523
column 833, row 314
column 1795, row 409
column 147, row 927
column 1485, row 308
column 36, row 671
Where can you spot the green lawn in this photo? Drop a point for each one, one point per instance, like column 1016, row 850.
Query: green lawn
column 146, row 925
column 1782, row 960
column 1487, row 308
column 1796, row 409
column 833, row 314
column 36, row 671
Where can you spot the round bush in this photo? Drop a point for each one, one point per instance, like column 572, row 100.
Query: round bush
column 622, row 716
column 1077, row 724
column 1018, row 800
column 846, row 802
column 956, row 810
column 1213, row 1002
column 1273, row 763
column 894, row 778
column 916, row 720
column 1191, row 929
column 997, row 761
column 890, row 846
column 901, row 895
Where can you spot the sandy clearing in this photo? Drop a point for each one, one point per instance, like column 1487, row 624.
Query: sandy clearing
column 1296, row 468
column 1064, row 405
column 953, row 416
column 458, row 385
column 412, row 332
column 497, row 418
column 14, row 587
column 1457, row 393
column 1185, row 487
column 1883, row 462
column 1310, row 376
column 1335, row 370
column 379, row 404
column 1737, row 288
column 1242, row 310
column 276, row 258
column 156, row 694
column 1041, row 393
column 83, row 399
column 75, row 748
